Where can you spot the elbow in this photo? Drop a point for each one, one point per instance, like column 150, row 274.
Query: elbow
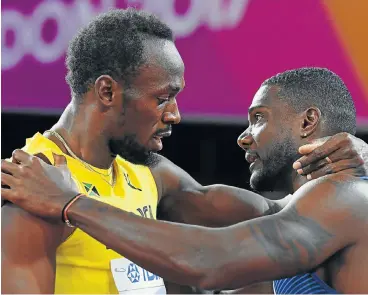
column 223, row 276
column 208, row 283
column 202, row 276
column 205, row 266
column 215, row 272
column 214, row 279
column 222, row 271
column 194, row 271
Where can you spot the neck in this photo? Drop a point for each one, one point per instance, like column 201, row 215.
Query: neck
column 289, row 182
column 298, row 181
column 82, row 136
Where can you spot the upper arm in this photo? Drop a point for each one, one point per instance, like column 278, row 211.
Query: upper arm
column 321, row 219
column 28, row 252
column 183, row 199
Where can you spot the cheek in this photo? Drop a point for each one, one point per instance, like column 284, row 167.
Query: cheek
column 144, row 124
column 262, row 134
column 146, row 112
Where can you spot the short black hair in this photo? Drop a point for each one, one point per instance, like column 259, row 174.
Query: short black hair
column 111, row 44
column 319, row 87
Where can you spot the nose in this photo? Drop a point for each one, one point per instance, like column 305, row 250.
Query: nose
column 245, row 140
column 171, row 114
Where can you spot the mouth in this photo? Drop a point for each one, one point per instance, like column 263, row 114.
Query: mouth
column 251, row 158
column 157, row 139
column 163, row 134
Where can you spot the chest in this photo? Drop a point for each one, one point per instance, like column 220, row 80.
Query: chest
column 129, row 190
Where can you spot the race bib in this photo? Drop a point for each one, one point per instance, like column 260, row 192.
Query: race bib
column 130, row 278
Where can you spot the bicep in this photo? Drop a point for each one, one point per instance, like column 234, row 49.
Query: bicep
column 28, row 252
column 213, row 206
column 184, row 200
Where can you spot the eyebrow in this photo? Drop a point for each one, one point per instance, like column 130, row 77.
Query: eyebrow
column 172, row 88
column 175, row 88
column 251, row 109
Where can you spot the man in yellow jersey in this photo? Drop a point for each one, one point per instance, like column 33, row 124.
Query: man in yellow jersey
column 124, row 73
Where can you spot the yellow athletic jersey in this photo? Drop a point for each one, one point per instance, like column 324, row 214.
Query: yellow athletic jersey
column 84, row 265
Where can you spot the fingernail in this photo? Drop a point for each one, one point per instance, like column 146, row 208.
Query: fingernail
column 309, row 177
column 300, row 171
column 297, row 165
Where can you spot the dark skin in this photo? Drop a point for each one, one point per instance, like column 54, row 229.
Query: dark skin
column 181, row 198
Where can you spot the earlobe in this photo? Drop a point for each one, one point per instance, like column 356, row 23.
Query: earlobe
column 310, row 121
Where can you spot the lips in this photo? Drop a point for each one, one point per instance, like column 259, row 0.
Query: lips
column 251, row 157
column 157, row 139
column 163, row 134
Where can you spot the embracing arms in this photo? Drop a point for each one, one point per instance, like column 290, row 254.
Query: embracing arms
column 297, row 239
column 40, row 189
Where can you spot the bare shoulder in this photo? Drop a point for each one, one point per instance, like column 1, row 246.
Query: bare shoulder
column 164, row 167
column 337, row 185
column 337, row 195
column 171, row 178
column 19, row 225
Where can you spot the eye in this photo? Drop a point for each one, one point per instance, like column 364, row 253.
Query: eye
column 258, row 116
column 162, row 100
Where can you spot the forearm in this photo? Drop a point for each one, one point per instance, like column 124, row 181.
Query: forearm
column 214, row 206
column 172, row 251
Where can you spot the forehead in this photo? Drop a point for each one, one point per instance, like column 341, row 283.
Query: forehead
column 163, row 53
column 164, row 66
column 266, row 96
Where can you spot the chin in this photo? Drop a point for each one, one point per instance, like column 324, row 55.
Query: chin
column 254, row 181
column 261, row 182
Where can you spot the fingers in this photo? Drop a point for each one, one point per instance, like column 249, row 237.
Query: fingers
column 22, row 157
column 308, row 148
column 9, row 168
column 60, row 160
column 317, row 154
column 313, row 167
column 7, row 180
column 342, row 165
column 340, row 154
column 9, row 195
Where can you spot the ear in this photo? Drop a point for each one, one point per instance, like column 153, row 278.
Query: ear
column 310, row 121
column 108, row 91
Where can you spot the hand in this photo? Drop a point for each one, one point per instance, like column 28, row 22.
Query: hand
column 35, row 186
column 342, row 152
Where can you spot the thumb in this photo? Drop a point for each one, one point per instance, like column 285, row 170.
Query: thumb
column 59, row 160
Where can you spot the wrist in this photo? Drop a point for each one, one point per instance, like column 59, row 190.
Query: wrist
column 66, row 209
